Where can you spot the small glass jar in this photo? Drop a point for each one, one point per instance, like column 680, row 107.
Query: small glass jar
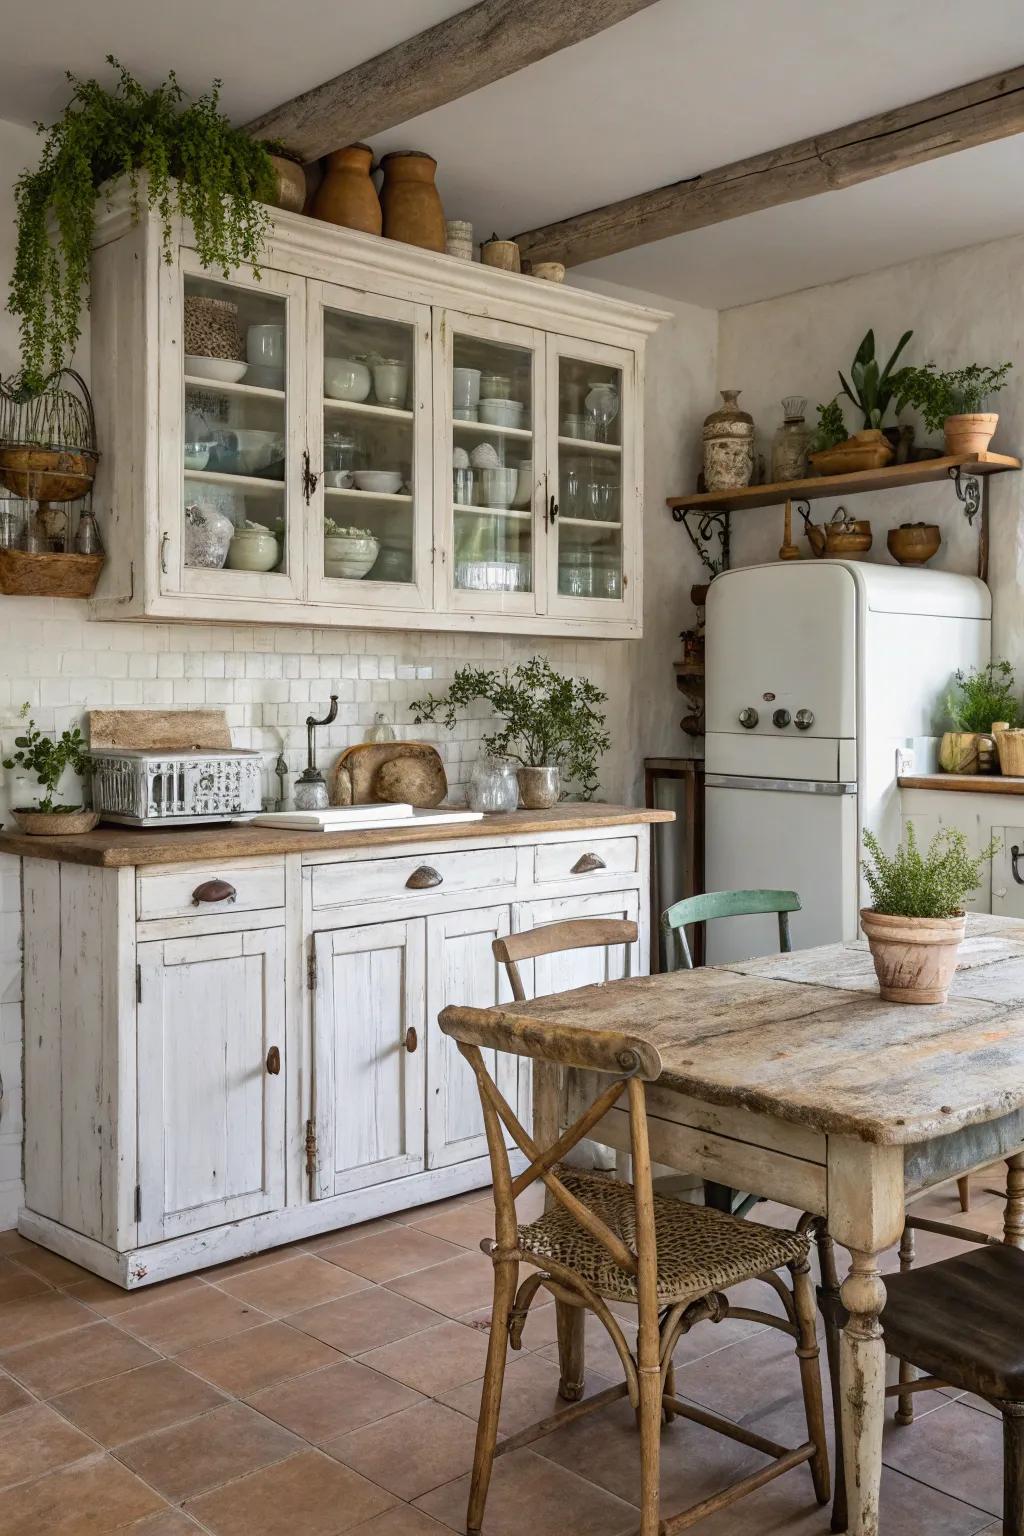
column 792, row 441
column 493, row 786
column 311, row 791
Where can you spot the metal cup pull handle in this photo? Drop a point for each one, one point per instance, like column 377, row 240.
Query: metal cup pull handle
column 273, row 1061
column 213, row 890
column 423, row 878
column 587, row 863
column 412, row 1040
column 1014, row 856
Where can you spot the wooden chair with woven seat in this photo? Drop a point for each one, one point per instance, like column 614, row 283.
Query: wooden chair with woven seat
column 605, row 1241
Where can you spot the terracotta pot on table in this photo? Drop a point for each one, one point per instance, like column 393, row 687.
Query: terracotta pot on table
column 915, row 957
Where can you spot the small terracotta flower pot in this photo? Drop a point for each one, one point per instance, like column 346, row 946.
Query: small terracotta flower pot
column 970, row 434
column 538, row 788
column 915, row 957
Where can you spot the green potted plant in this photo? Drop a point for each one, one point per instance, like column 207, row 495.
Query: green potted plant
column 550, row 724
column 181, row 159
column 831, row 428
column 874, row 388
column 872, row 391
column 47, row 759
column 915, row 924
column 979, row 699
column 954, row 402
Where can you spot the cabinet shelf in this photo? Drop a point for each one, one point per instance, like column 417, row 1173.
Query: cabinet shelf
column 240, row 482
column 515, row 513
column 587, row 445
column 345, row 493
column 360, row 408
column 217, row 387
column 481, row 428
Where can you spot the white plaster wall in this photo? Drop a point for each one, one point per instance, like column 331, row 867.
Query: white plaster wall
column 963, row 307
column 268, row 679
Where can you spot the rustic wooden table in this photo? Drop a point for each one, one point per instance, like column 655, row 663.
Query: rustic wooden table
column 788, row 1077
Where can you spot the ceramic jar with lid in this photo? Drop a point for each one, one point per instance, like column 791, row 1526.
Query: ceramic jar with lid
column 410, row 201
column 728, row 445
column 253, row 548
column 792, row 441
column 347, row 196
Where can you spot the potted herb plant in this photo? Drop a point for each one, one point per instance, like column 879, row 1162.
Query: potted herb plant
column 182, row 159
column 954, row 402
column 47, row 760
column 916, row 922
column 550, row 724
column 978, row 700
column 872, row 391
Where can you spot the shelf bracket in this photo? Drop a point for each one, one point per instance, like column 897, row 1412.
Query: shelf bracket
column 968, row 490
column 707, row 524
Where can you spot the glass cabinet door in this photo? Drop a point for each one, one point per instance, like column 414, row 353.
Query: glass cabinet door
column 232, row 506
column 370, row 413
column 489, row 464
column 594, row 465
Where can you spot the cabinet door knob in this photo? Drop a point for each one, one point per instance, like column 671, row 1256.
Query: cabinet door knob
column 412, row 1040
column 273, row 1061
column 213, row 890
column 587, row 862
column 423, row 878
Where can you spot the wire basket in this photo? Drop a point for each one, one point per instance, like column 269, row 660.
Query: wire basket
column 47, row 438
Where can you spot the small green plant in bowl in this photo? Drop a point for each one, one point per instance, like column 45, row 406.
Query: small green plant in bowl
column 47, row 759
column 954, row 402
column 981, row 696
column 916, row 922
column 831, row 428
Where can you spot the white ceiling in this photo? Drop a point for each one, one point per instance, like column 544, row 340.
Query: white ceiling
column 675, row 90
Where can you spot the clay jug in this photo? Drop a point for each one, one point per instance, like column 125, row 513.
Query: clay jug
column 347, row 196
column 412, row 207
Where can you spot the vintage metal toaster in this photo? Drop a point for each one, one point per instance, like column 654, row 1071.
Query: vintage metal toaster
column 147, row 788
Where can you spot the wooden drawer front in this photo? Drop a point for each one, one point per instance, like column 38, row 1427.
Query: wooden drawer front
column 173, row 892
column 427, row 874
column 585, row 861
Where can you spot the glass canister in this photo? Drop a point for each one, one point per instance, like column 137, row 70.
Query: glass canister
column 493, row 786
column 792, row 441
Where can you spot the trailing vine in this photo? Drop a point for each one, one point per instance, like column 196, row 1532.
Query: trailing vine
column 179, row 158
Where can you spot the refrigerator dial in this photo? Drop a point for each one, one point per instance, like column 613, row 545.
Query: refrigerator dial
column 781, row 718
column 804, row 719
column 748, row 718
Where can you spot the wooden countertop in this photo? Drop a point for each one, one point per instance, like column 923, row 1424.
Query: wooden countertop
column 115, row 847
column 965, row 783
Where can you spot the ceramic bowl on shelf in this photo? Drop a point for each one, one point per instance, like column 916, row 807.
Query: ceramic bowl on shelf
column 251, row 451
column 384, row 482
column 502, row 413
column 222, row 370
column 498, row 487
column 350, row 554
column 346, row 378
column 197, row 455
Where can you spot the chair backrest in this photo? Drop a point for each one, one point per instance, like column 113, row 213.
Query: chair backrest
column 556, row 938
column 626, row 1060
column 712, row 904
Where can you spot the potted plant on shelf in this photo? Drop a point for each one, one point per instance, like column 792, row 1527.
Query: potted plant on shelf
column 47, row 760
column 872, row 391
column 978, row 700
column 916, row 923
column 551, row 725
column 953, row 402
column 183, row 160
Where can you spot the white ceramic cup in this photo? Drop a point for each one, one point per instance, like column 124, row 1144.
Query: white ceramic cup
column 264, row 345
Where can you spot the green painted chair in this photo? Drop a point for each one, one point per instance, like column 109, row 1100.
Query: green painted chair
column 705, row 909
column 715, row 904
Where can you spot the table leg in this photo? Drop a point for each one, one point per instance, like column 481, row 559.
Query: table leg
column 1013, row 1219
column 862, row 1374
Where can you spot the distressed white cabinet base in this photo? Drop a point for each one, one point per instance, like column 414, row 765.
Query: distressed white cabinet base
column 202, row 1084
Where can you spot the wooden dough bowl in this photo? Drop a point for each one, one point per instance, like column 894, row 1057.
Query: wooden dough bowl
column 400, row 772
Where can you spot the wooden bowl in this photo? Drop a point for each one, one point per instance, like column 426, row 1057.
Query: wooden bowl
column 913, row 543
column 852, row 538
column 55, row 823
column 864, row 450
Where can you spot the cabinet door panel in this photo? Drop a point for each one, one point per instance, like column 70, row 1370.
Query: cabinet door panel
column 368, row 1083
column 462, row 969
column 211, row 1117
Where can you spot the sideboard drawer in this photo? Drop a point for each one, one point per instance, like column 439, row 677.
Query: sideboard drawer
column 193, row 890
column 429, row 874
column 585, row 861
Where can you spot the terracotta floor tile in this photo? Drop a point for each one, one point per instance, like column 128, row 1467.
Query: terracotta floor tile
column 178, row 1322
column 12, row 1241
column 737, row 1381
column 51, row 1266
column 541, row 1325
column 259, row 1358
column 435, row 1360
column 139, row 1403
column 786, row 1508
column 452, row 1288
column 328, row 1403
column 75, row 1359
column 957, row 1451
column 40, row 1317
column 365, row 1321
column 111, row 1300
column 436, row 1446
column 11, row 1395
column 34, row 1441
column 413, row 1217
column 401, row 1520
column 466, row 1225
column 90, row 1498
column 530, row 1494
column 293, row 1285
column 16, row 1282
column 252, row 1261
column 192, row 1458
column 350, row 1234
column 529, row 1393
column 386, row 1255
column 171, row 1523
column 310, row 1494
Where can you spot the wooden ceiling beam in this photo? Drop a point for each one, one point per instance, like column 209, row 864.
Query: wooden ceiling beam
column 969, row 115
column 462, row 54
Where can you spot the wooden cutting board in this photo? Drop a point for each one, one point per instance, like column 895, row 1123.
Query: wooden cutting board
column 354, row 776
column 162, row 730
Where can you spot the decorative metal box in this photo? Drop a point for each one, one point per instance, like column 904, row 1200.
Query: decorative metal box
column 148, row 788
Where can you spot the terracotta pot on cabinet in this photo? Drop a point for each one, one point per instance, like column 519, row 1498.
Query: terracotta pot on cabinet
column 410, row 201
column 347, row 196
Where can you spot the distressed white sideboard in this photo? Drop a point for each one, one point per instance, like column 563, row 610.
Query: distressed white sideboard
column 205, row 1078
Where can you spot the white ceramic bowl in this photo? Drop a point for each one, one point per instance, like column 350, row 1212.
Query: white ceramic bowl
column 383, row 481
column 256, row 449
column 502, row 413
column 346, row 379
column 498, row 487
column 222, row 370
column 349, row 557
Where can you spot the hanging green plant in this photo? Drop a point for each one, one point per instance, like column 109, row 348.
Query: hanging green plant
column 179, row 159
